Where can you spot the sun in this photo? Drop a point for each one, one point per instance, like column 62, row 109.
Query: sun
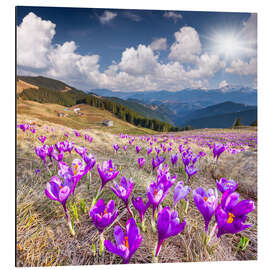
column 227, row 44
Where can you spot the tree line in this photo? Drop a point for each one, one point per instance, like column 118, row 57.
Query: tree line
column 73, row 97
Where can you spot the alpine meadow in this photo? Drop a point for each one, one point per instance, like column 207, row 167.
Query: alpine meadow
column 136, row 136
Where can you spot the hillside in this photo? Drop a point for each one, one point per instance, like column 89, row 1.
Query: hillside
column 21, row 85
column 224, row 120
column 74, row 96
column 148, row 111
column 91, row 117
column 218, row 109
column 45, row 82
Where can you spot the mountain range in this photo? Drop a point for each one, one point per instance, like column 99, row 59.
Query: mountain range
column 197, row 108
column 187, row 106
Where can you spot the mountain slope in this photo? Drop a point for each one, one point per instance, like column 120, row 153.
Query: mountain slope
column 91, row 117
column 45, row 82
column 148, row 111
column 218, row 109
column 225, row 120
column 74, row 96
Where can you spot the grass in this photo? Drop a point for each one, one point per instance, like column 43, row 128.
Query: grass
column 43, row 238
column 92, row 117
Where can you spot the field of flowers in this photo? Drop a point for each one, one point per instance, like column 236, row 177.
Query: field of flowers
column 89, row 197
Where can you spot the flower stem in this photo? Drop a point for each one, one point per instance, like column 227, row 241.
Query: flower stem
column 129, row 210
column 71, row 229
column 101, row 247
column 153, row 223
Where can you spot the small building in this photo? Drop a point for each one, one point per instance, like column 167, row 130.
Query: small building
column 60, row 114
column 76, row 110
column 107, row 123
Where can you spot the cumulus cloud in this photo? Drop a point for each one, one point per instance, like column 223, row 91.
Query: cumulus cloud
column 175, row 16
column 159, row 44
column 187, row 45
column 138, row 69
column 34, row 37
column 138, row 61
column 107, row 16
column 241, row 67
column 222, row 84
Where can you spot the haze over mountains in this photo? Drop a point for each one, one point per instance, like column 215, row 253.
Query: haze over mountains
column 195, row 107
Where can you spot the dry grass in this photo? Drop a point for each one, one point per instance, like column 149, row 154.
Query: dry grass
column 42, row 234
column 92, row 117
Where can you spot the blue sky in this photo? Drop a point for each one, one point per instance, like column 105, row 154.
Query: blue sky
column 137, row 50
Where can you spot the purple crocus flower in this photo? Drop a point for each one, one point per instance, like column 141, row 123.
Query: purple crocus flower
column 57, row 156
column 77, row 134
column 116, row 147
column 156, row 193
column 75, row 172
column 190, row 171
column 174, row 159
column 42, row 153
column 157, row 161
column 22, row 127
column 123, row 191
column 141, row 161
column 180, row 192
column 59, row 146
column 66, row 134
column 218, row 149
column 90, row 161
column 157, row 150
column 103, row 215
column 58, row 191
column 231, row 214
column 181, row 148
column 33, row 130
column 168, row 225
column 126, row 243
column 107, row 172
column 206, row 202
column 169, row 149
column 223, row 184
column 164, row 178
column 149, row 150
column 186, row 158
column 201, row 154
column 37, row 171
column 140, row 206
column 81, row 150
column 162, row 170
column 125, row 147
column 42, row 139
column 138, row 149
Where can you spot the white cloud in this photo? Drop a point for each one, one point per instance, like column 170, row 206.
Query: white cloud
column 132, row 16
column 241, row 67
column 138, row 62
column 107, row 16
column 175, row 16
column 187, row 45
column 34, row 37
column 138, row 69
column 222, row 84
column 159, row 44
column 206, row 66
column 249, row 30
